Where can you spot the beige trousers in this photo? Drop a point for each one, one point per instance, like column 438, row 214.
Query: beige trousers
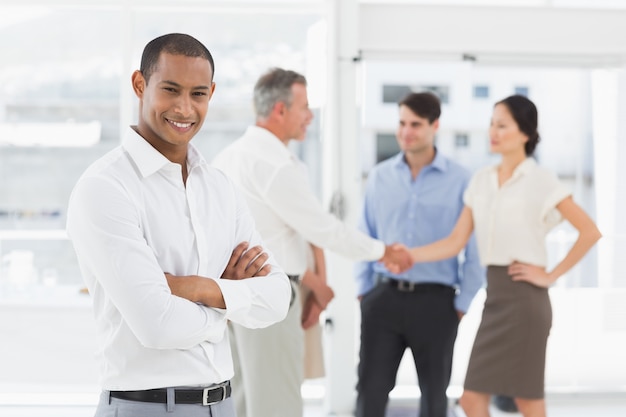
column 270, row 365
column 313, row 350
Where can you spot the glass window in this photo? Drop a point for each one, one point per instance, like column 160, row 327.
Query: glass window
column 59, row 111
column 461, row 140
column 460, row 123
column 386, row 146
column 521, row 90
column 64, row 98
column 395, row 93
column 481, row 91
column 441, row 91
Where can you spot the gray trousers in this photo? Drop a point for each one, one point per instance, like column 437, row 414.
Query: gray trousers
column 115, row 407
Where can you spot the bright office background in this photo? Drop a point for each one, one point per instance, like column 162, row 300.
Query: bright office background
column 65, row 97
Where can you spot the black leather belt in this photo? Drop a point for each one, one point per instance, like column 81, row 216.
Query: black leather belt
column 296, row 280
column 408, row 286
column 204, row 396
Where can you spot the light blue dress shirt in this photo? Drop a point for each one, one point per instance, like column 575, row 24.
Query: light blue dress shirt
column 417, row 212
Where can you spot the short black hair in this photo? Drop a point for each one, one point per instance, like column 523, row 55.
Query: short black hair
column 524, row 112
column 175, row 44
column 424, row 104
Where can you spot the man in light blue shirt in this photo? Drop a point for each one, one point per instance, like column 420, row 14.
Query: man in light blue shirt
column 414, row 198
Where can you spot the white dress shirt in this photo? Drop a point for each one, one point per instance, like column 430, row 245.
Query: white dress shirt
column 287, row 212
column 511, row 222
column 131, row 219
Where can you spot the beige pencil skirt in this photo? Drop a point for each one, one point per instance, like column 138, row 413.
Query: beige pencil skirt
column 509, row 352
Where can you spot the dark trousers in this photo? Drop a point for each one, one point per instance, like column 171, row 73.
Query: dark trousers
column 423, row 320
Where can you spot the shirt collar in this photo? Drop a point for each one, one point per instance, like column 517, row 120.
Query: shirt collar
column 526, row 166
column 266, row 142
column 439, row 162
column 147, row 159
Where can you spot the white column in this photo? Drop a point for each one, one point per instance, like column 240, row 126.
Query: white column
column 128, row 110
column 618, row 280
column 341, row 178
column 606, row 126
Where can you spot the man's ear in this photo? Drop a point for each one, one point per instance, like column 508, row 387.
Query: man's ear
column 139, row 83
column 279, row 109
column 212, row 90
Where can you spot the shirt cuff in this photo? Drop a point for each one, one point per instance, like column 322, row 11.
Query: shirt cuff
column 237, row 297
column 462, row 302
column 379, row 250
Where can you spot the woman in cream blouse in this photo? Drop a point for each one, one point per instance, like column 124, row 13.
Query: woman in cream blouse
column 511, row 207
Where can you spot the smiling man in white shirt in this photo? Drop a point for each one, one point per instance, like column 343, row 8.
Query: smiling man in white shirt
column 155, row 228
column 289, row 217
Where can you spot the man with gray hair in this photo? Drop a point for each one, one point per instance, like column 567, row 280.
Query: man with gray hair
column 291, row 220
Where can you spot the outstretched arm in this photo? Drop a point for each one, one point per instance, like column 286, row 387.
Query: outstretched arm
column 444, row 248
column 449, row 246
column 588, row 235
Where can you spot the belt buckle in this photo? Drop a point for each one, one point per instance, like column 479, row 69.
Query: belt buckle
column 406, row 286
column 205, row 395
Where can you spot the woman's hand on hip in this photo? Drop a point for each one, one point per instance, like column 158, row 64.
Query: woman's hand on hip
column 533, row 274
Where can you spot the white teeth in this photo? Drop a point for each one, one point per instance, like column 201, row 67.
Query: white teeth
column 180, row 125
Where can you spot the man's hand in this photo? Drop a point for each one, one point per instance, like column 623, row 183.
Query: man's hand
column 319, row 288
column 323, row 295
column 246, row 263
column 311, row 311
column 397, row 258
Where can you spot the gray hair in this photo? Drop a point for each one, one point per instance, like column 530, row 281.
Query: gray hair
column 275, row 87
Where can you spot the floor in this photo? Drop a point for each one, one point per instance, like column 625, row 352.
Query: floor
column 570, row 405
column 596, row 405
